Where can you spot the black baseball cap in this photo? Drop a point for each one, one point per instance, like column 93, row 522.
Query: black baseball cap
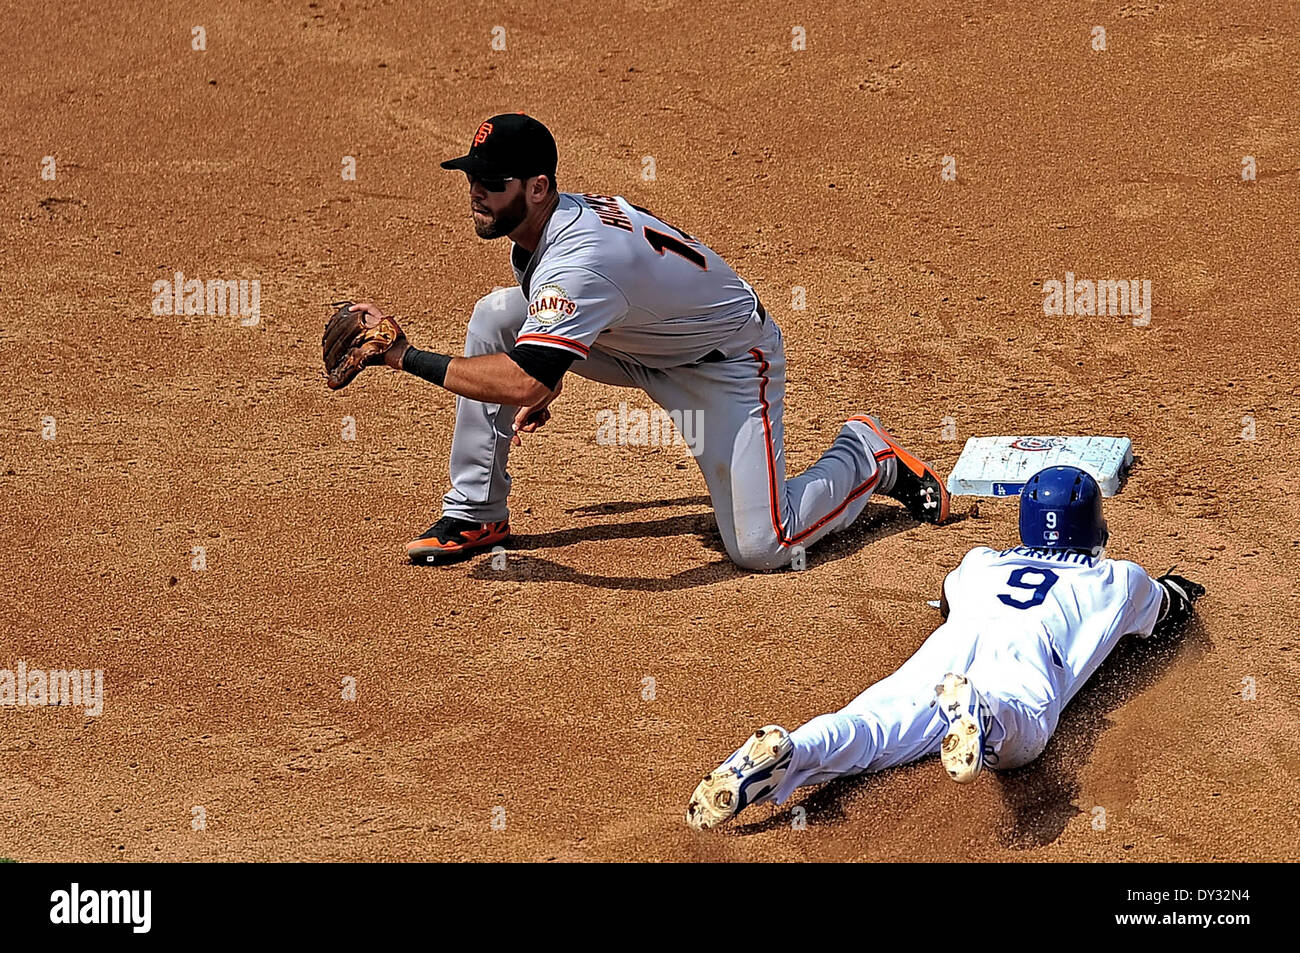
column 511, row 144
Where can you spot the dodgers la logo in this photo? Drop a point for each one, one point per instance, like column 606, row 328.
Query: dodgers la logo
column 484, row 131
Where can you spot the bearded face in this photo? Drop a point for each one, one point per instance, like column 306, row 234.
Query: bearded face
column 497, row 213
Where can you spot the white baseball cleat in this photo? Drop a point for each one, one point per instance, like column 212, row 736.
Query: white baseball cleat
column 968, row 720
column 752, row 773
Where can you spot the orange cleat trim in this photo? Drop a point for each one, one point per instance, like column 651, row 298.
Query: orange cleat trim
column 485, row 535
column 916, row 465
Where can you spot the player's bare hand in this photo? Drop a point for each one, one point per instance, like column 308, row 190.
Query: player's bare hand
column 371, row 309
column 529, row 419
column 372, row 315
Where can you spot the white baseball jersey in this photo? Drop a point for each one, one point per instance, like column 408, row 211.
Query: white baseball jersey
column 1074, row 601
column 609, row 270
column 1027, row 627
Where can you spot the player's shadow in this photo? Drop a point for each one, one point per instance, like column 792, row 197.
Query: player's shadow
column 628, row 506
column 826, row 803
column 1041, row 796
column 876, row 522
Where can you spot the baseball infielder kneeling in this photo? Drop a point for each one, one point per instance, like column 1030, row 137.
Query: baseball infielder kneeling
column 1025, row 629
column 615, row 294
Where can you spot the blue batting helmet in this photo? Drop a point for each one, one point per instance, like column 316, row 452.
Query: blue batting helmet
column 1060, row 508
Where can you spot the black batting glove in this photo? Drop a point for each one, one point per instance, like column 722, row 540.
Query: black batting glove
column 1180, row 593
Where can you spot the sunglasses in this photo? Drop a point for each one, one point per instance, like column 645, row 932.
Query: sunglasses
column 491, row 184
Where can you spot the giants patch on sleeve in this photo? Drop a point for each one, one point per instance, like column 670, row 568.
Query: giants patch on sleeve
column 550, row 304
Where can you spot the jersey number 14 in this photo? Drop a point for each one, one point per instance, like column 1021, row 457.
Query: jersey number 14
column 662, row 241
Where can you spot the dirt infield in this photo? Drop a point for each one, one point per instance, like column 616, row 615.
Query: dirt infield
column 182, row 508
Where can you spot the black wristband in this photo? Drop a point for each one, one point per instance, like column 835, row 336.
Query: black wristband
column 428, row 365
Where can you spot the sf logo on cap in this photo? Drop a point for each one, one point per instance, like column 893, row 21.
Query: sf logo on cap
column 484, row 131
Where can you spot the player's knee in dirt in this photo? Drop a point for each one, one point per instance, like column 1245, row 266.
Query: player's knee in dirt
column 1027, row 736
column 758, row 555
column 1019, row 754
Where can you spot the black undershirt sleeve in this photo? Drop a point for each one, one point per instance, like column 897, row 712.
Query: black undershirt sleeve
column 544, row 364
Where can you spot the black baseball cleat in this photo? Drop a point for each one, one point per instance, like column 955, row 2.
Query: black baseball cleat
column 451, row 539
column 917, row 485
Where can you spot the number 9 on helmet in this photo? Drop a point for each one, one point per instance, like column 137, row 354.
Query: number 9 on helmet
column 1060, row 508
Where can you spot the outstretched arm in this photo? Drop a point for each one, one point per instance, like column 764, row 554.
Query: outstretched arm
column 490, row 378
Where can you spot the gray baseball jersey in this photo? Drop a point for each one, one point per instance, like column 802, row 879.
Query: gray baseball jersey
column 642, row 304
column 608, row 273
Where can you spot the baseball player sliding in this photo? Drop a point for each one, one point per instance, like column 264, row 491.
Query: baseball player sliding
column 615, row 294
column 1025, row 629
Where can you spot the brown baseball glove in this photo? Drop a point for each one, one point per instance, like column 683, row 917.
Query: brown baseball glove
column 354, row 340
